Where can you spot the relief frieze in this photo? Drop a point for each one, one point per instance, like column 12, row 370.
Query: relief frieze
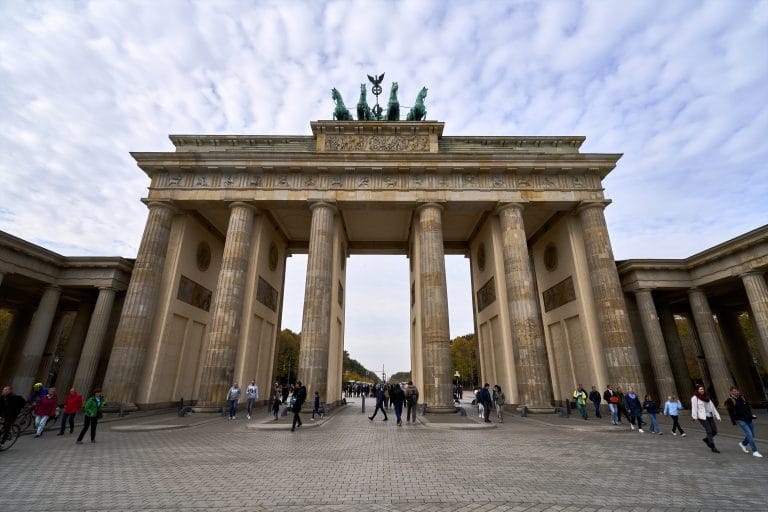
column 383, row 143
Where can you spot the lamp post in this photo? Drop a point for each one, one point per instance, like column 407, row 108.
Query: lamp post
column 456, row 387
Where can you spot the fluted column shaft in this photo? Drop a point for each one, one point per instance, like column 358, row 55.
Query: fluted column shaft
column 227, row 308
column 318, row 291
column 662, row 370
column 74, row 347
column 32, row 351
column 435, row 335
column 525, row 325
column 757, row 293
column 676, row 355
column 1, row 278
column 94, row 341
column 615, row 330
column 710, row 343
column 132, row 337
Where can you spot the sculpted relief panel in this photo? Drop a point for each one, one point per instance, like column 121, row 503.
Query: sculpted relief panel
column 395, row 143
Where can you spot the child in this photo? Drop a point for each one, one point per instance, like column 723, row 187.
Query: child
column 671, row 408
column 316, row 406
column 652, row 409
column 275, row 406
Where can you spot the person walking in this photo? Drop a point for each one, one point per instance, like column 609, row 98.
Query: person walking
column 652, row 409
column 595, row 398
column 581, row 400
column 741, row 415
column 316, row 406
column 671, row 408
column 484, row 397
column 612, row 399
column 92, row 411
column 11, row 405
column 276, row 406
column 412, row 401
column 44, row 409
column 300, row 396
column 634, row 409
column 251, row 394
column 622, row 407
column 397, row 396
column 703, row 410
column 499, row 400
column 379, row 403
column 72, row 404
column 233, row 396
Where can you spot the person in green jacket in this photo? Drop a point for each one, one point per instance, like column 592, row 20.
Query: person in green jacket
column 92, row 414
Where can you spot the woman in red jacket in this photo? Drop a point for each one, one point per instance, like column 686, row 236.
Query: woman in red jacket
column 72, row 405
column 44, row 409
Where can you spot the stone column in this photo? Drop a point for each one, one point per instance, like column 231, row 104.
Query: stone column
column 94, row 341
column 525, row 324
column 1, row 278
column 710, row 344
column 435, row 337
column 227, row 310
column 757, row 293
column 737, row 350
column 132, row 337
column 615, row 330
column 73, row 348
column 662, row 370
column 676, row 354
column 32, row 351
column 318, row 291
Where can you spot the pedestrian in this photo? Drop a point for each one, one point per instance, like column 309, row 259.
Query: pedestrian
column 412, row 401
column 595, row 398
column 581, row 400
column 612, row 399
column 233, row 396
column 499, row 400
column 484, row 397
column 38, row 392
column 92, row 411
column 741, row 415
column 45, row 408
column 634, row 409
column 299, row 397
column 379, row 403
column 276, row 406
column 316, row 407
column 671, row 409
column 480, row 408
column 397, row 396
column 650, row 406
column 622, row 408
column 11, row 405
column 72, row 404
column 704, row 410
column 252, row 394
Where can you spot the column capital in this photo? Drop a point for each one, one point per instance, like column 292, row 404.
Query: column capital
column 161, row 204
column 241, row 204
column 753, row 272
column 429, row 204
column 584, row 205
column 694, row 289
column 325, row 204
column 519, row 205
column 107, row 288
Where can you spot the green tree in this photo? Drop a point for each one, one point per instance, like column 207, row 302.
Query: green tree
column 287, row 364
column 464, row 359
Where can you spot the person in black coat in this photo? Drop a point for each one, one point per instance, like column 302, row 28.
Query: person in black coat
column 484, row 397
column 379, row 403
column 397, row 395
column 595, row 398
column 300, row 393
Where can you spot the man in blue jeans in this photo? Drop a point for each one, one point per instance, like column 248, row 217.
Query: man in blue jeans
column 741, row 415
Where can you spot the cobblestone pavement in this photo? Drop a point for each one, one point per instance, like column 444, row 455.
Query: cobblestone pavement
column 348, row 463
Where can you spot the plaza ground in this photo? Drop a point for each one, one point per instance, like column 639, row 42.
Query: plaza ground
column 348, row 463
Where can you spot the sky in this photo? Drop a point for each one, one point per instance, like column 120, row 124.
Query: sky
column 678, row 87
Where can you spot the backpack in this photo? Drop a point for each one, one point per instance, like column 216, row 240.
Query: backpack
column 414, row 396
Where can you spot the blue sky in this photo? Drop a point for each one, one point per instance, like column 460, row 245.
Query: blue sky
column 678, row 87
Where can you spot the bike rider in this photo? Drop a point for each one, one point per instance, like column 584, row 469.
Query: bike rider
column 10, row 407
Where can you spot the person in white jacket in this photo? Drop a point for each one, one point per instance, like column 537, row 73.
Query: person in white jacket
column 703, row 409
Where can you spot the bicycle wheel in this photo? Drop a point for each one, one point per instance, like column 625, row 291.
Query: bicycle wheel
column 9, row 441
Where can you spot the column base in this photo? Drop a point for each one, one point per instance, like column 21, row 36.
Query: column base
column 124, row 408
column 537, row 409
column 441, row 409
column 207, row 408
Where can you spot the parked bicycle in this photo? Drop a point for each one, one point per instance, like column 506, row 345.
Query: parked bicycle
column 8, row 437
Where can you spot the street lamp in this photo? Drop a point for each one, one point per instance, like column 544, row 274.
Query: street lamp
column 456, row 388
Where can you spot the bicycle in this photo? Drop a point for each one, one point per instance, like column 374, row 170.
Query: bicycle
column 8, row 437
column 26, row 418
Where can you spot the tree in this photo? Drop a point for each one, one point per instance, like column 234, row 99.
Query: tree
column 464, row 358
column 287, row 364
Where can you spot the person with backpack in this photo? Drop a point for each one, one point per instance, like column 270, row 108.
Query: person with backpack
column 397, row 396
column 499, row 400
column 412, row 401
column 741, row 415
column 581, row 400
column 300, row 396
column 484, row 398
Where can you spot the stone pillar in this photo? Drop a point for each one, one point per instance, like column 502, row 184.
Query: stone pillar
column 662, row 370
column 737, row 350
column 73, row 348
column 710, row 344
column 615, row 330
column 94, row 341
column 525, row 324
column 32, row 351
column 680, row 371
column 1, row 278
column 757, row 293
column 318, row 291
column 132, row 337
column 435, row 337
column 227, row 310
column 17, row 332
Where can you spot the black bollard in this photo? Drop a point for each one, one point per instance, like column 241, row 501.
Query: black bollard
column 363, row 397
